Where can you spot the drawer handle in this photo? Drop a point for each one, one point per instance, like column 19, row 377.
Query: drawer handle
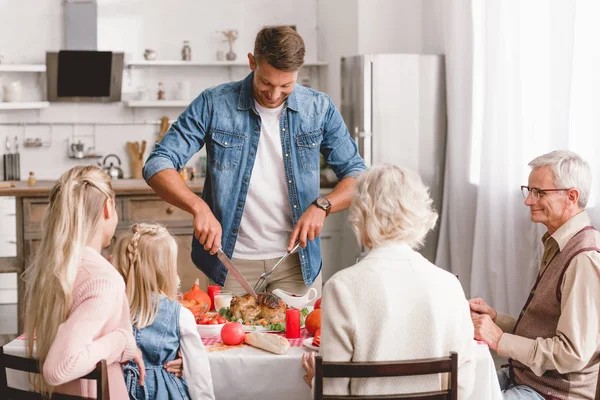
column 11, row 242
column 170, row 210
column 11, row 215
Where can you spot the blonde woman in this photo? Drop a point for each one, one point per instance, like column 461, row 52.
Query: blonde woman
column 394, row 304
column 147, row 259
column 76, row 307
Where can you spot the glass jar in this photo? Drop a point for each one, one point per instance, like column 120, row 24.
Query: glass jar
column 161, row 95
column 31, row 180
column 186, row 51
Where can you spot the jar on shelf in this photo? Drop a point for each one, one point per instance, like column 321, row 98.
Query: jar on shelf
column 161, row 95
column 186, row 51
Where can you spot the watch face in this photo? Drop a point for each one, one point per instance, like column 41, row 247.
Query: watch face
column 323, row 202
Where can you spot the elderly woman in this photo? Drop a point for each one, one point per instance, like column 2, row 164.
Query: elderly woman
column 394, row 304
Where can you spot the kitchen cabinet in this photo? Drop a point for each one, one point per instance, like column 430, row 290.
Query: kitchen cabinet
column 135, row 202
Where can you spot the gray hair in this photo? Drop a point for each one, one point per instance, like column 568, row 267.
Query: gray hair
column 570, row 171
column 391, row 204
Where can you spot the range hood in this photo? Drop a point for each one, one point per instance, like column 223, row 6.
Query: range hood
column 81, row 25
column 81, row 73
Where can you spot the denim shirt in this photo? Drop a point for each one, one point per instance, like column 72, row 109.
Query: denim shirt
column 224, row 118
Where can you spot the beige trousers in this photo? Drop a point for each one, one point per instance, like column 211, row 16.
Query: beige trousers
column 287, row 276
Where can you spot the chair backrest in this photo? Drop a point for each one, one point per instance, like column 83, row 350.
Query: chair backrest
column 597, row 397
column 390, row 369
column 8, row 361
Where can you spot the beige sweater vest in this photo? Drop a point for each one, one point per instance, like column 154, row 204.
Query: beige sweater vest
column 539, row 318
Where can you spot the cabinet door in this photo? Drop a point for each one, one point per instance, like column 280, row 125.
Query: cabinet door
column 188, row 272
column 331, row 244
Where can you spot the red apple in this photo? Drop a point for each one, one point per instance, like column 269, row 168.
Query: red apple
column 318, row 303
column 232, row 333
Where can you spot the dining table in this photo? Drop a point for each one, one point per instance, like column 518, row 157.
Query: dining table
column 245, row 372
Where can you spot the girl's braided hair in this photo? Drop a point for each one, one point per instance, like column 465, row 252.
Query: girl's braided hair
column 146, row 258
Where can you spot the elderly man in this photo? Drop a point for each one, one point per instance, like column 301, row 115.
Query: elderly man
column 553, row 348
column 264, row 137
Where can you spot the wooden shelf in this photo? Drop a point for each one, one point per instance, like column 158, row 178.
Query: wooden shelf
column 22, row 67
column 158, row 103
column 176, row 63
column 29, row 105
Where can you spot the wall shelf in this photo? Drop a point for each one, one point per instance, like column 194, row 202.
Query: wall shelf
column 22, row 67
column 176, row 63
column 158, row 103
column 29, row 105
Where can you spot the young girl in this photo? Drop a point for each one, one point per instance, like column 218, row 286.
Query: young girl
column 147, row 259
column 76, row 310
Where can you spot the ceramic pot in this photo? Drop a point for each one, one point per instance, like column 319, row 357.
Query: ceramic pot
column 13, row 91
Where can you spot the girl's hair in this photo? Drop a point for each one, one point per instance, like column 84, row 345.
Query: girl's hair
column 146, row 258
column 75, row 210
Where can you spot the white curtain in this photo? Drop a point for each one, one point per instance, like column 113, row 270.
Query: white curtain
column 534, row 88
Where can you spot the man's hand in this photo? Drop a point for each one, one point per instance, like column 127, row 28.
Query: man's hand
column 139, row 360
column 308, row 227
column 175, row 366
column 308, row 362
column 486, row 330
column 207, row 229
column 479, row 306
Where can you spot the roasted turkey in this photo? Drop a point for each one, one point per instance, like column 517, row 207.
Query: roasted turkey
column 268, row 306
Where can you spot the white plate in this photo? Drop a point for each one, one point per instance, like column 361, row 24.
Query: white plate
column 258, row 328
column 209, row 330
column 308, row 343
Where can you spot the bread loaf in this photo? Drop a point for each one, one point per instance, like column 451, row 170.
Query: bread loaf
column 269, row 342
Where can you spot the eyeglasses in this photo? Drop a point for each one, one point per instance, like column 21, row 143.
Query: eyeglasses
column 536, row 193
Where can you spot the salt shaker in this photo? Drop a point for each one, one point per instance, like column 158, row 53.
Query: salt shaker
column 186, row 51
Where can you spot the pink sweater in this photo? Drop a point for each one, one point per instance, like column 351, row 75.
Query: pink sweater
column 98, row 327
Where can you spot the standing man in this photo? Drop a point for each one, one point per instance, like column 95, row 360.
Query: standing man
column 554, row 346
column 264, row 136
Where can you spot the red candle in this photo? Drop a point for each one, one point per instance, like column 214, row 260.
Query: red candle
column 212, row 289
column 292, row 323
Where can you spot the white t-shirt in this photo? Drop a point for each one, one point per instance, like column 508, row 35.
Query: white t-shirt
column 266, row 222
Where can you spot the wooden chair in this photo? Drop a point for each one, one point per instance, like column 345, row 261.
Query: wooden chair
column 7, row 361
column 390, row 369
column 597, row 397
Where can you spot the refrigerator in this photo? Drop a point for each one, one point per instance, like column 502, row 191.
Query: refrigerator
column 394, row 106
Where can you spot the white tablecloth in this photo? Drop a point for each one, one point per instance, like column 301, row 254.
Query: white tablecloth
column 249, row 373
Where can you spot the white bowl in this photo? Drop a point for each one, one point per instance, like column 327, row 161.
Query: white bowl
column 209, row 330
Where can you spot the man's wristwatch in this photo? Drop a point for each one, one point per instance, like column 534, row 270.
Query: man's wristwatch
column 323, row 203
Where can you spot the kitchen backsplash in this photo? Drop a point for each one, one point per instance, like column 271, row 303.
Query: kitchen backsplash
column 52, row 159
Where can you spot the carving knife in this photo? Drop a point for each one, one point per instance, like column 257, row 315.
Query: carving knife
column 236, row 273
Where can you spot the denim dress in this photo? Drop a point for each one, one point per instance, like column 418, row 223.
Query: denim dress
column 158, row 343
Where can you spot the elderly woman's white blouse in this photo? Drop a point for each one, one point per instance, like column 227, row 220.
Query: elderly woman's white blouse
column 396, row 305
